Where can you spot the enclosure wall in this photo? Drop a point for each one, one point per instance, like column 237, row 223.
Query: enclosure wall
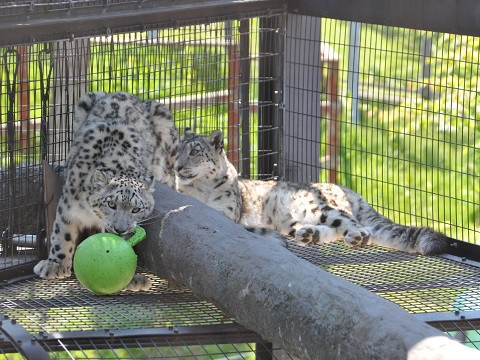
column 390, row 112
column 223, row 73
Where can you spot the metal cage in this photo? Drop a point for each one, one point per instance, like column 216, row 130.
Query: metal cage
column 369, row 97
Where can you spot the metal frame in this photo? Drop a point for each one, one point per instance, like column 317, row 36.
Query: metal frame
column 132, row 15
column 33, row 327
column 450, row 16
column 270, row 117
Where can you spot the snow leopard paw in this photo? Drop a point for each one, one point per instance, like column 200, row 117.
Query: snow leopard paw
column 139, row 282
column 357, row 237
column 310, row 235
column 49, row 269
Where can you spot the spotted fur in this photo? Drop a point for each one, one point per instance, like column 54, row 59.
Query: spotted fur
column 121, row 146
column 312, row 213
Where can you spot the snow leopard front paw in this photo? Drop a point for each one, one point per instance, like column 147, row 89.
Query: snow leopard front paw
column 48, row 269
column 358, row 237
column 311, row 235
column 139, row 282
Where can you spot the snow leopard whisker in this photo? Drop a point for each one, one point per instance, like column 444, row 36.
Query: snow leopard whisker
column 150, row 219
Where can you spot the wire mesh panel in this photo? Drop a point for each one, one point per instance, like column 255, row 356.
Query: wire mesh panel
column 465, row 331
column 241, row 346
column 389, row 112
column 67, row 321
column 220, row 74
column 419, row 284
column 399, row 118
column 433, row 288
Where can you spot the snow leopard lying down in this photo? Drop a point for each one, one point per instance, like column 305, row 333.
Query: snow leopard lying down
column 121, row 146
column 313, row 214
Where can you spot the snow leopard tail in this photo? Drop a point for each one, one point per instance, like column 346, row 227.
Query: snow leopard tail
column 385, row 232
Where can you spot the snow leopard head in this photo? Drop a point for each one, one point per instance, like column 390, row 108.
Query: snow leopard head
column 200, row 157
column 121, row 202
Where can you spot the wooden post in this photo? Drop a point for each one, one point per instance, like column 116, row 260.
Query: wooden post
column 69, row 83
column 331, row 110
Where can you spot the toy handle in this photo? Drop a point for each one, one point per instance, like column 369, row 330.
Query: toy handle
column 138, row 236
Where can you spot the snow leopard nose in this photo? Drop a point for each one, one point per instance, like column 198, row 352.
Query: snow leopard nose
column 120, row 230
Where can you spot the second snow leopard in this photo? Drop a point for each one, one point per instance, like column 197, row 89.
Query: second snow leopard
column 121, row 146
column 313, row 214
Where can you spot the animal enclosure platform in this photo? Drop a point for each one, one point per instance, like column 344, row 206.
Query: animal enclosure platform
column 62, row 320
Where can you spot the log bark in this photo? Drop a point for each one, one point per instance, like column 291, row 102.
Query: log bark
column 285, row 299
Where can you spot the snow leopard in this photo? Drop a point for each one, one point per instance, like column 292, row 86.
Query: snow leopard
column 121, row 145
column 310, row 213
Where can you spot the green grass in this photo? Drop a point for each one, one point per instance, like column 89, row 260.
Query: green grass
column 418, row 162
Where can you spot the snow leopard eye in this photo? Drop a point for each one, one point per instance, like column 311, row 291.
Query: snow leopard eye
column 135, row 210
column 193, row 152
column 112, row 205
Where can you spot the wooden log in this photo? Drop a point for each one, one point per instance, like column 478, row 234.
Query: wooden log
column 287, row 300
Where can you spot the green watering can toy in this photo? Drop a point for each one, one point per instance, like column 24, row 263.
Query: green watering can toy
column 105, row 263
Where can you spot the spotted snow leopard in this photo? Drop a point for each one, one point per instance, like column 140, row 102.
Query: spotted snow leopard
column 121, row 146
column 313, row 214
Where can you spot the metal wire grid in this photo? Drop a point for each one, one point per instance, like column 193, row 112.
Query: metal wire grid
column 399, row 118
column 20, row 113
column 466, row 331
column 68, row 321
column 419, row 284
column 74, row 72
column 97, row 326
column 64, row 305
column 218, row 75
column 221, row 346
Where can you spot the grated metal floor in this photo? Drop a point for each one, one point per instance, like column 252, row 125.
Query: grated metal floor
column 419, row 284
column 443, row 291
column 63, row 320
column 66, row 321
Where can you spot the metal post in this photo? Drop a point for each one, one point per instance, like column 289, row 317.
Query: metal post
column 267, row 77
column 233, row 136
column 263, row 351
column 11, row 88
column 302, row 94
column 353, row 67
column 70, row 68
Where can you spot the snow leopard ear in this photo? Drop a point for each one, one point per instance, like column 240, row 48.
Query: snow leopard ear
column 216, row 139
column 187, row 134
column 83, row 107
column 148, row 180
column 101, row 178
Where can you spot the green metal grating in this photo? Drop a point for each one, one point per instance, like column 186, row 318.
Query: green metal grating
column 64, row 305
column 419, row 284
column 173, row 323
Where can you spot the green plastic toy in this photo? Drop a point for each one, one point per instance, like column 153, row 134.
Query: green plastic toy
column 105, row 263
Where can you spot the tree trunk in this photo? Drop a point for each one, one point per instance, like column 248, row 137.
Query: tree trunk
column 285, row 299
